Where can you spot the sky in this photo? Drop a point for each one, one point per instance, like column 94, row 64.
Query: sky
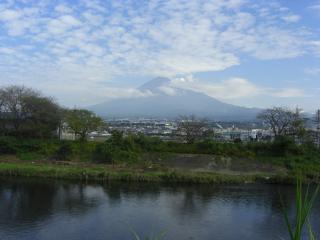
column 249, row 53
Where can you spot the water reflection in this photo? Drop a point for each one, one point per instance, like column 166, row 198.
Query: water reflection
column 33, row 209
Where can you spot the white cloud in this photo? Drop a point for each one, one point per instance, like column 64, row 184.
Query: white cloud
column 63, row 8
column 5, row 50
column 315, row 6
column 291, row 18
column 95, row 42
column 315, row 71
column 62, row 24
column 227, row 89
column 9, row 15
column 168, row 90
column 234, row 88
column 315, row 45
column 288, row 93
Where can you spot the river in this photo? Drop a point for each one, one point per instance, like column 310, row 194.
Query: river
column 45, row 209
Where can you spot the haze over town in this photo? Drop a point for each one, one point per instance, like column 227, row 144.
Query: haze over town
column 86, row 52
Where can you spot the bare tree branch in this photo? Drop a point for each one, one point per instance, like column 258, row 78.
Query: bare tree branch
column 192, row 128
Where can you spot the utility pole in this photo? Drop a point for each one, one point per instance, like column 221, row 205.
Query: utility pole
column 317, row 122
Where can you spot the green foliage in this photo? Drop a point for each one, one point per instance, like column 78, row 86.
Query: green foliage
column 43, row 116
column 132, row 149
column 25, row 113
column 64, row 151
column 284, row 145
column 304, row 203
column 159, row 236
column 82, row 121
column 8, row 145
column 102, row 154
column 117, row 148
column 30, row 156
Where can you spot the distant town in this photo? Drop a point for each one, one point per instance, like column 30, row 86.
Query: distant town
column 168, row 130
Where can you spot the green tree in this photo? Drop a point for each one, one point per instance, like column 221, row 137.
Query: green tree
column 83, row 121
column 13, row 106
column 43, row 117
column 26, row 112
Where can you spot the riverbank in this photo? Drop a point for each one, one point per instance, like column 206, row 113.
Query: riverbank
column 108, row 173
column 142, row 159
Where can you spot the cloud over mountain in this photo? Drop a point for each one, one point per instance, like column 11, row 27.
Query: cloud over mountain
column 89, row 45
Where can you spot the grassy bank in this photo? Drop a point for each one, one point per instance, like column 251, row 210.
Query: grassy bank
column 140, row 158
column 103, row 174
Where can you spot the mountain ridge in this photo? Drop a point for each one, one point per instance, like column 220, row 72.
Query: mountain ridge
column 163, row 105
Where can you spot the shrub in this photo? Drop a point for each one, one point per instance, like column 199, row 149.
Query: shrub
column 30, row 145
column 126, row 156
column 102, row 154
column 64, row 151
column 8, row 145
column 283, row 145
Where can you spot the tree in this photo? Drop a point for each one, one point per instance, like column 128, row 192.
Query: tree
column 192, row 128
column 297, row 126
column 25, row 112
column 2, row 112
column 83, row 121
column 44, row 116
column 13, row 104
column 280, row 120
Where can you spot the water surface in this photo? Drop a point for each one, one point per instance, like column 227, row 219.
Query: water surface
column 39, row 209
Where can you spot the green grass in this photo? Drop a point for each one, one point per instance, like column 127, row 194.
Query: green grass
column 152, row 237
column 304, row 201
column 30, row 156
column 102, row 174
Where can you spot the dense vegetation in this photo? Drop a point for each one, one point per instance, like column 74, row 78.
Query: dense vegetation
column 119, row 149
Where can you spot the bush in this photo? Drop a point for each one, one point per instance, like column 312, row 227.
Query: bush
column 102, row 154
column 117, row 148
column 126, row 156
column 64, row 151
column 30, row 145
column 8, row 145
column 283, row 146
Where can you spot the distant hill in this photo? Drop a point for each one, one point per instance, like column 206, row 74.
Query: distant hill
column 171, row 105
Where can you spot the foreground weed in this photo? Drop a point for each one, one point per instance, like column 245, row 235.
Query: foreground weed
column 304, row 202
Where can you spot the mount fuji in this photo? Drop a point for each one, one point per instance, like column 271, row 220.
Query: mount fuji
column 163, row 101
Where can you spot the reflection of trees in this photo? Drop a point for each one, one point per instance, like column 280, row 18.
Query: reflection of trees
column 25, row 201
column 21, row 202
column 251, row 209
column 192, row 200
column 195, row 199
column 117, row 191
column 77, row 197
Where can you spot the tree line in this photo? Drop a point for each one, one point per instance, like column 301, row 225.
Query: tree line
column 25, row 112
column 282, row 122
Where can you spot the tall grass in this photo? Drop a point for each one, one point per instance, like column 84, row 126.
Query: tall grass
column 159, row 236
column 153, row 237
column 304, row 201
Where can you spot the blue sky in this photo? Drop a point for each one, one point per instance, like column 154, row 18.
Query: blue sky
column 250, row 53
